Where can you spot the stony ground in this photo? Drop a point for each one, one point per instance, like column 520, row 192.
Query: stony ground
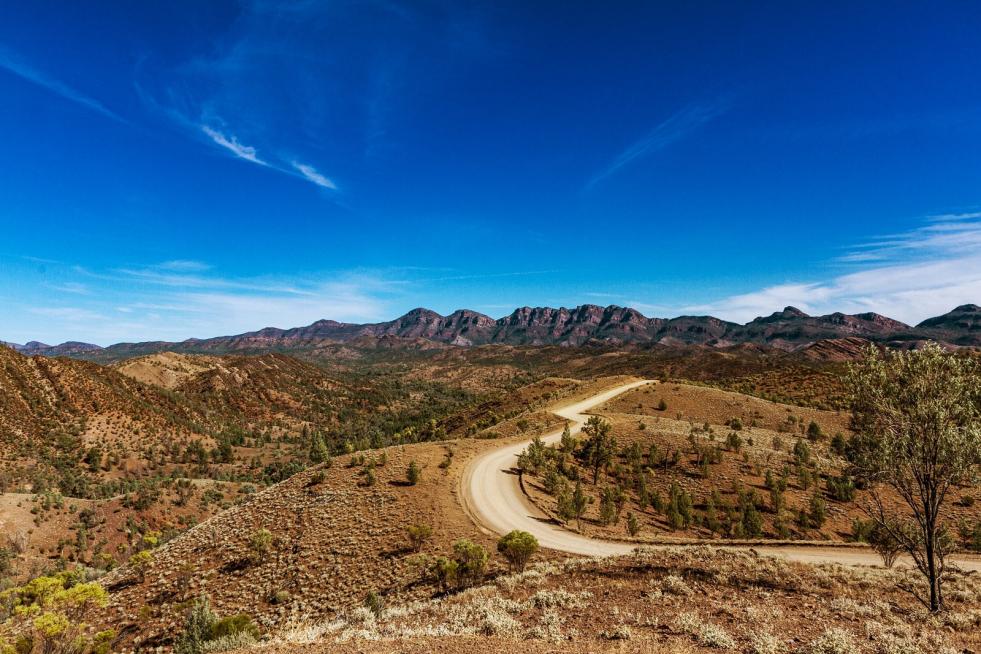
column 667, row 600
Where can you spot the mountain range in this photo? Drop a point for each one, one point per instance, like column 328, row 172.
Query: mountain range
column 788, row 330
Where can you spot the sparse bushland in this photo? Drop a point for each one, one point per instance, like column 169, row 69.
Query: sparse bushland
column 918, row 416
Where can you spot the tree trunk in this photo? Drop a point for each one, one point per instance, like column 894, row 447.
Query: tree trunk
column 931, row 561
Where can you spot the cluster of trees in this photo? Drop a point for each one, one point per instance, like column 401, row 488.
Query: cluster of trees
column 467, row 563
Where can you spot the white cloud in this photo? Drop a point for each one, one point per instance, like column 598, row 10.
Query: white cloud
column 231, row 144
column 671, row 130
column 310, row 173
column 150, row 304
column 17, row 67
column 74, row 288
column 910, row 277
column 68, row 314
column 183, row 265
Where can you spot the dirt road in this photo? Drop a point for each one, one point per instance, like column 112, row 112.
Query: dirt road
column 493, row 497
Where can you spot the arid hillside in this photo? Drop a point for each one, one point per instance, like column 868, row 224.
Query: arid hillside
column 668, row 600
column 92, row 457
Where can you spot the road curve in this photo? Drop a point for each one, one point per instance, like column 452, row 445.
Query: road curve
column 493, row 497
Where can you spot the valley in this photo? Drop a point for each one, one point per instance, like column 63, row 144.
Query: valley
column 290, row 488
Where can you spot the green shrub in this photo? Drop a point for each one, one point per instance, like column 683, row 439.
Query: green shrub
column 197, row 627
column 374, row 603
column 419, row 535
column 444, row 572
column 633, row 525
column 838, row 444
column 517, row 548
column 260, row 542
column 814, row 431
column 232, row 625
column 841, row 488
column 471, row 562
column 413, row 473
column 817, row 510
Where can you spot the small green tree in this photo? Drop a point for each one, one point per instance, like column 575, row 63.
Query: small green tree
column 814, row 431
column 568, row 444
column 419, row 535
column 600, row 446
column 260, row 542
column 817, row 510
column 578, row 504
column 517, row 547
column 413, row 473
column 198, row 623
column 374, row 603
column 444, row 572
column 752, row 522
column 885, row 544
column 318, row 449
column 471, row 562
column 633, row 524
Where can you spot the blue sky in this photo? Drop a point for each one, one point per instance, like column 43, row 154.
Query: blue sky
column 182, row 169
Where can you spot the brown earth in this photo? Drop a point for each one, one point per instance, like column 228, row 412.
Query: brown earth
column 670, row 600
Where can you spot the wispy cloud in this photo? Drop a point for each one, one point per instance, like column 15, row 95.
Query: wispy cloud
column 68, row 314
column 183, row 265
column 18, row 67
column 310, row 173
column 947, row 235
column 71, row 287
column 249, row 153
column 181, row 298
column 666, row 133
column 909, row 277
column 231, row 144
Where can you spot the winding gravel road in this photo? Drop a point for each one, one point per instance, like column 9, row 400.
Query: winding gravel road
column 493, row 497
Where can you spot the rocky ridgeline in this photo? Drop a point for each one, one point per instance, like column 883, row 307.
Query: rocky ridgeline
column 787, row 330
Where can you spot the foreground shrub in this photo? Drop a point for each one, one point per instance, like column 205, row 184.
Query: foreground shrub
column 833, row 641
column 48, row 612
column 471, row 562
column 517, row 548
column 418, row 535
column 413, row 473
column 204, row 632
column 259, row 544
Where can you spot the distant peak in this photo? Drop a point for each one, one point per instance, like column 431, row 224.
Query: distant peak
column 968, row 308
column 420, row 312
column 793, row 312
